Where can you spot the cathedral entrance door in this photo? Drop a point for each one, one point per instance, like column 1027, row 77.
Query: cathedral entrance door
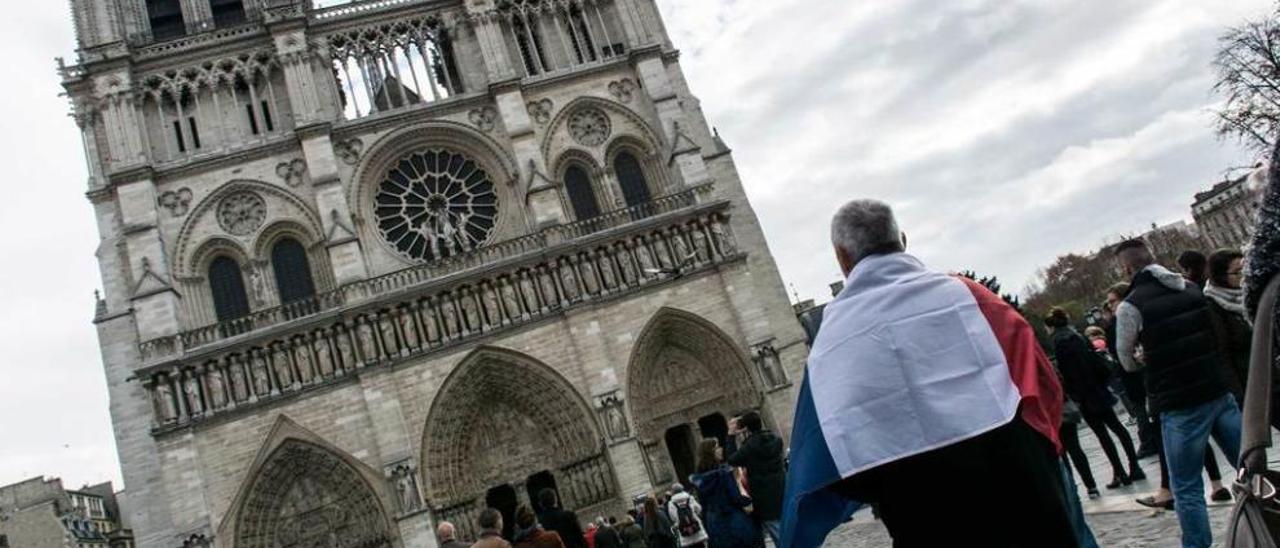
column 503, row 499
column 714, row 426
column 536, row 483
column 680, row 446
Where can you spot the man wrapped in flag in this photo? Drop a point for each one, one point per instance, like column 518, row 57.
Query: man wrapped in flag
column 927, row 395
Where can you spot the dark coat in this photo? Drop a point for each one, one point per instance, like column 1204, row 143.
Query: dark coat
column 762, row 455
column 607, row 537
column 1084, row 372
column 728, row 525
column 566, row 524
column 658, row 533
column 1182, row 358
column 632, row 535
column 539, row 538
column 1235, row 340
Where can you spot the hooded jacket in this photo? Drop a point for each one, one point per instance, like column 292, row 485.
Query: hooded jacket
column 1170, row 318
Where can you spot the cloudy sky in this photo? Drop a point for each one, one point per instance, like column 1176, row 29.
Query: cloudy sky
column 1005, row 132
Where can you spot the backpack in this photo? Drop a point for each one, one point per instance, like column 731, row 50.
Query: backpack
column 688, row 523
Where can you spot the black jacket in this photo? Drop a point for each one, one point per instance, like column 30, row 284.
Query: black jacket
column 1084, row 373
column 1235, row 340
column 762, row 455
column 1181, row 351
column 566, row 524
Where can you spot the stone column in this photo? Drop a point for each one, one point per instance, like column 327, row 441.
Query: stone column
column 681, row 150
column 493, row 46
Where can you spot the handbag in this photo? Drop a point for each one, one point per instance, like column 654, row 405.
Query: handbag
column 1255, row 519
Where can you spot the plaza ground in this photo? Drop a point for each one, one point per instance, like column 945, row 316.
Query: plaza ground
column 1117, row 521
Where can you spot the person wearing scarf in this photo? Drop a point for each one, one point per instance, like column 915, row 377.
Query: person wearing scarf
column 1231, row 325
column 529, row 534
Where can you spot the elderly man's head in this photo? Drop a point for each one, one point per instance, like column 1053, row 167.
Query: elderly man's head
column 863, row 228
column 445, row 532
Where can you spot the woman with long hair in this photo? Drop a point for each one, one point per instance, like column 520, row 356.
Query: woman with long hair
column 723, row 502
column 1084, row 379
column 657, row 526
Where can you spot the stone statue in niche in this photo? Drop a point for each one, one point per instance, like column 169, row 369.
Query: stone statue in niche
column 192, row 388
column 770, row 365
column 405, row 483
column 261, row 376
column 721, row 236
column 257, row 286
column 324, row 360
column 217, row 388
column 615, row 417
column 368, row 349
column 164, row 401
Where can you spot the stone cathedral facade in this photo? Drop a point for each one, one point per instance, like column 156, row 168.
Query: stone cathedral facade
column 375, row 265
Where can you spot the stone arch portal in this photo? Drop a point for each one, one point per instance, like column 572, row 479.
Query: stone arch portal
column 685, row 377
column 305, row 495
column 505, row 419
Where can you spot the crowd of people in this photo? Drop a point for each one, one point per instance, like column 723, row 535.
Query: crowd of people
column 734, row 500
column 921, row 382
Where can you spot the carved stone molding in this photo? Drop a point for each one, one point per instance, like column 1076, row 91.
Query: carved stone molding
column 589, row 126
column 540, row 111
column 293, row 173
column 349, row 151
column 241, row 213
column 178, row 202
column 485, row 118
column 623, row 90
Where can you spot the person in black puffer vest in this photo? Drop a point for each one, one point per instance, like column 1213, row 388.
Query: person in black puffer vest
column 1170, row 319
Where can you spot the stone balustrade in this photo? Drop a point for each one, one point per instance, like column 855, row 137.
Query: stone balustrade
column 420, row 311
column 373, row 288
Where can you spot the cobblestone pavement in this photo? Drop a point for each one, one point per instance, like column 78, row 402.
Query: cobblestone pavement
column 1116, row 520
column 1129, row 529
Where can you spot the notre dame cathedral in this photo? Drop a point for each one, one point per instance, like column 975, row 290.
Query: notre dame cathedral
column 375, row 265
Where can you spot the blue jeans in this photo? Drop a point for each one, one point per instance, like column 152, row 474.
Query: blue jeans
column 772, row 528
column 1084, row 535
column 1186, row 435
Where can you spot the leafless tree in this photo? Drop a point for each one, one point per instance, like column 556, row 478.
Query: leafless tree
column 1248, row 67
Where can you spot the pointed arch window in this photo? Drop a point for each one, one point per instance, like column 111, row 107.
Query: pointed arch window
column 582, row 196
column 230, row 302
column 293, row 275
column 635, row 188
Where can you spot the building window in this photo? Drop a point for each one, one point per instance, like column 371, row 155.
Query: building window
column 293, row 271
column 434, row 204
column 227, row 13
column 581, row 194
column 529, row 40
column 166, row 19
column 227, row 285
column 584, row 47
column 635, row 189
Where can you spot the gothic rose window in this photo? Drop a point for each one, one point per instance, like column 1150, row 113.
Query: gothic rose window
column 589, row 127
column 242, row 213
column 434, row 204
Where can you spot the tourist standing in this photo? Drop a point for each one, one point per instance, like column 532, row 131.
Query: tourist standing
column 563, row 522
column 1085, row 376
column 490, row 522
column 606, row 535
column 723, row 502
column 657, row 526
column 631, row 533
column 686, row 514
column 531, row 535
column 1169, row 317
column 1231, row 323
column 447, row 536
column 930, row 396
column 762, row 455
column 1069, row 433
column 1135, row 382
column 1194, row 267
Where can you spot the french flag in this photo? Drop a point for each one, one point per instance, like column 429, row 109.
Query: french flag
column 907, row 360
